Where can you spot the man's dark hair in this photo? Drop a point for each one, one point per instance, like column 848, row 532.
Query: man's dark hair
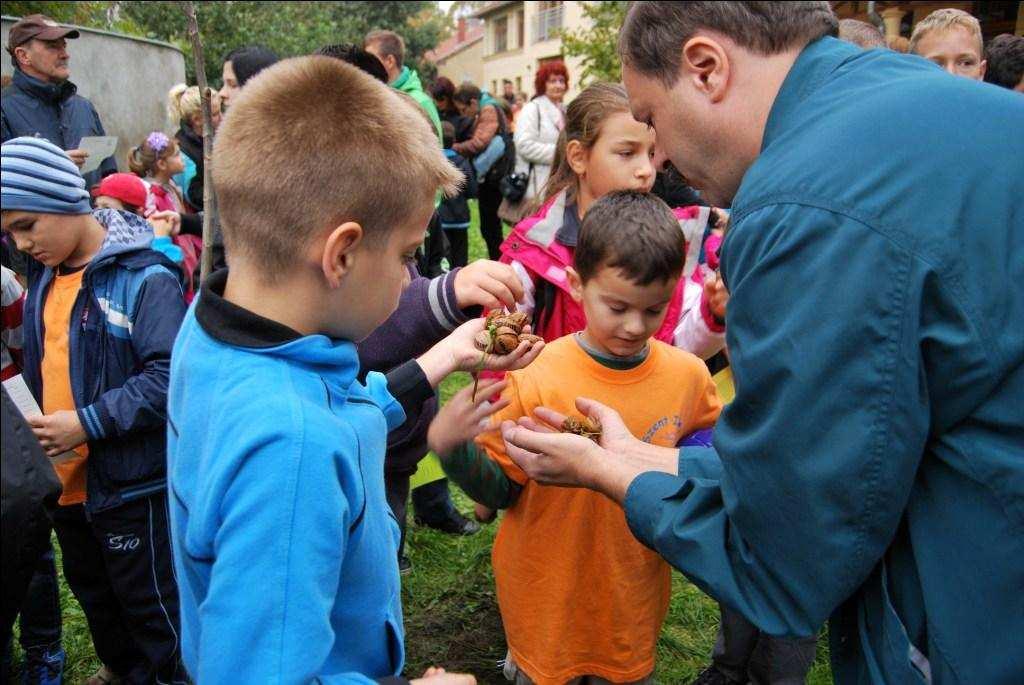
column 250, row 60
column 447, row 134
column 653, row 34
column 1005, row 55
column 466, row 93
column 389, row 43
column 357, row 57
column 634, row 232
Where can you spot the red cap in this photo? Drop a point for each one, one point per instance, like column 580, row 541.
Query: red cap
column 37, row 26
column 128, row 188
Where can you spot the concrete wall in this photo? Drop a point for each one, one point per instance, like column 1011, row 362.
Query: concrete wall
column 465, row 65
column 519, row 62
column 126, row 79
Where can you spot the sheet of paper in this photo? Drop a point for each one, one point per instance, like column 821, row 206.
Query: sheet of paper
column 22, row 397
column 99, row 148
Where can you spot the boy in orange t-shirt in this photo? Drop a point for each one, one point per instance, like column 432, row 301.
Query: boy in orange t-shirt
column 582, row 601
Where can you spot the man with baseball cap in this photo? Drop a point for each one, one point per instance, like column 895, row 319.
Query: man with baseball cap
column 41, row 101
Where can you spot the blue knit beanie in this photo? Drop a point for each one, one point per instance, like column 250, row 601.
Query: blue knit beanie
column 36, row 176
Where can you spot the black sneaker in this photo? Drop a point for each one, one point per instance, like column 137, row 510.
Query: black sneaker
column 712, row 676
column 43, row 666
column 404, row 565
column 453, row 524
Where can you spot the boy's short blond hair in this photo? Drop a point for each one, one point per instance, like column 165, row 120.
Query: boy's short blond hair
column 944, row 20
column 313, row 142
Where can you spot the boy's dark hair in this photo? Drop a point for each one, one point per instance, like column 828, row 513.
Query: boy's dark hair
column 389, row 43
column 447, row 134
column 1005, row 56
column 466, row 93
column 442, row 89
column 250, row 60
column 654, row 33
column 357, row 57
column 634, row 232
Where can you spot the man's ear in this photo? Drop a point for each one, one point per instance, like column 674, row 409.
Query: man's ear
column 575, row 284
column 576, row 156
column 338, row 252
column 706, row 66
column 984, row 68
column 21, row 55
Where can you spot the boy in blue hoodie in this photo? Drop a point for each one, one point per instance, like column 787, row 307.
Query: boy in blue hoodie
column 99, row 323
column 285, row 547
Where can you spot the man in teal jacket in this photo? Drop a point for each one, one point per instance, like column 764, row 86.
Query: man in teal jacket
column 871, row 467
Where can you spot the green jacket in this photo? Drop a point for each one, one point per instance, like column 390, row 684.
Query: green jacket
column 871, row 467
column 408, row 82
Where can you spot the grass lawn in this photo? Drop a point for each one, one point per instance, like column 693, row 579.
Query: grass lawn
column 451, row 616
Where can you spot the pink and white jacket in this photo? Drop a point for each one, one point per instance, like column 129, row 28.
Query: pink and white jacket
column 534, row 254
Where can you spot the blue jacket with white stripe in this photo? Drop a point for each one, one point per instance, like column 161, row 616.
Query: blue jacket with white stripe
column 123, row 326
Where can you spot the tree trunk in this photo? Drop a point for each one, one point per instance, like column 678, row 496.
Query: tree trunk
column 209, row 199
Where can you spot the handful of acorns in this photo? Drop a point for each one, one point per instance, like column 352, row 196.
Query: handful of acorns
column 504, row 333
column 586, row 426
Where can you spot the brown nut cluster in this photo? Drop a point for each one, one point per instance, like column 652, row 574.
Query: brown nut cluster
column 586, row 426
column 504, row 332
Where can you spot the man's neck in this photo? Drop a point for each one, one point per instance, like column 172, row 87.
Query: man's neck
column 274, row 301
column 38, row 75
column 89, row 245
column 394, row 74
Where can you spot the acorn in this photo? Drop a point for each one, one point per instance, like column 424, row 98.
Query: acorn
column 517, row 321
column 506, row 340
column 586, row 426
column 482, row 340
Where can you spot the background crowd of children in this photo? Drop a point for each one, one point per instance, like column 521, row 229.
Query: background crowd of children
column 275, row 449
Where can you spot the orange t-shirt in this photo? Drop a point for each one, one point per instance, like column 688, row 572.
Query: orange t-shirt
column 579, row 595
column 56, row 373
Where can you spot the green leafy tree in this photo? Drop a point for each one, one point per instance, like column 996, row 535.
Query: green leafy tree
column 287, row 28
column 597, row 44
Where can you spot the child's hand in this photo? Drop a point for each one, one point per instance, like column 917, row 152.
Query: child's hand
column 488, row 284
column 58, row 432
column 438, row 676
column 716, row 295
column 462, row 418
column 166, row 223
column 458, row 352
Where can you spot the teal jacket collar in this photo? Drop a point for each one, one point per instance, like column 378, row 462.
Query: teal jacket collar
column 809, row 73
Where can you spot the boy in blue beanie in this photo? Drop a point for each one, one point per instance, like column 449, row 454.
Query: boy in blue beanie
column 99, row 323
column 285, row 547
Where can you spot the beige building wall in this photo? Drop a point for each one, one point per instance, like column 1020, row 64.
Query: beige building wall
column 520, row 59
column 465, row 65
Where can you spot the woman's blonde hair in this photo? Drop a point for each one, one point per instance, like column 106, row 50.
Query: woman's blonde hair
column 185, row 103
column 584, row 118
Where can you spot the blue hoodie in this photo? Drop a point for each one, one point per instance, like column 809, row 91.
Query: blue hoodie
column 284, row 545
column 123, row 325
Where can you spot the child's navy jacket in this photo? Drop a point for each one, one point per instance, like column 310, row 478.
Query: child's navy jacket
column 284, row 545
column 123, row 326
